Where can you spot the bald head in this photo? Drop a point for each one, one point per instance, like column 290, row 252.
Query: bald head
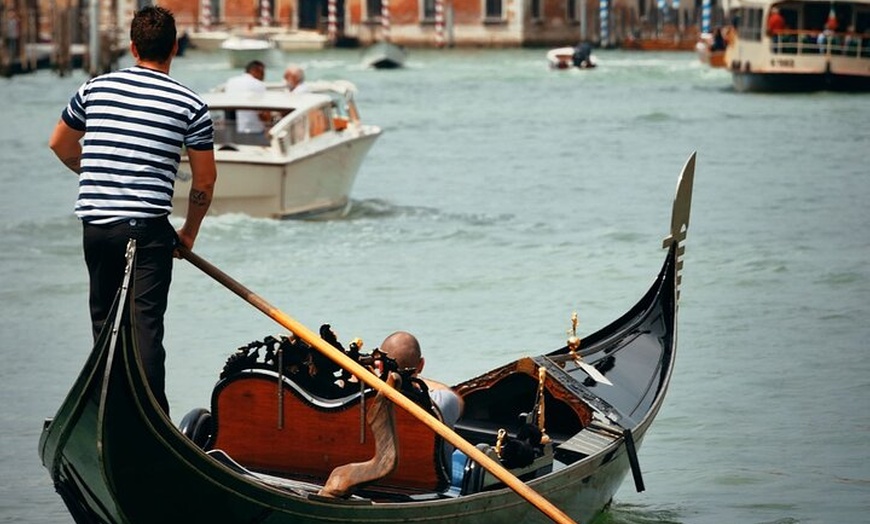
column 404, row 348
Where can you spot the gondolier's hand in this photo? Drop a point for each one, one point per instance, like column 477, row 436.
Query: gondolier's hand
column 184, row 243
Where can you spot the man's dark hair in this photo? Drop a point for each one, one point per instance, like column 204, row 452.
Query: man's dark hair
column 254, row 64
column 153, row 33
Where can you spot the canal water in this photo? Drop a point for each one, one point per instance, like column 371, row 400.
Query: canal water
column 502, row 197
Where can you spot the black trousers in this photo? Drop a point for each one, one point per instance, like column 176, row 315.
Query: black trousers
column 104, row 248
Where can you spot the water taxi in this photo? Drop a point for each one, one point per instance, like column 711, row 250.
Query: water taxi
column 800, row 46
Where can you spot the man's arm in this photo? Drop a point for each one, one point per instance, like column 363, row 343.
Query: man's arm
column 66, row 144
column 201, row 189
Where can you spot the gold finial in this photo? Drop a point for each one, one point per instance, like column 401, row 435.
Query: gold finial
column 573, row 339
column 499, row 443
column 357, row 342
column 542, row 377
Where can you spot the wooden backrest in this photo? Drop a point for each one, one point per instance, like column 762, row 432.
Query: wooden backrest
column 304, row 436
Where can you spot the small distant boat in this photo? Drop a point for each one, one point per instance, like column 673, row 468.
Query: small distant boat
column 669, row 38
column 289, row 412
column 709, row 57
column 568, row 57
column 824, row 47
column 208, row 41
column 299, row 40
column 241, row 50
column 711, row 47
column 384, row 55
column 303, row 166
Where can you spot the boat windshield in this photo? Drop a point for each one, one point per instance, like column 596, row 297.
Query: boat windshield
column 256, row 127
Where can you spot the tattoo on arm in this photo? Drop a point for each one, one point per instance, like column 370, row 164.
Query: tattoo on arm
column 198, row 198
column 74, row 163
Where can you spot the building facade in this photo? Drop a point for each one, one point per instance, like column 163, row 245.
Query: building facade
column 414, row 23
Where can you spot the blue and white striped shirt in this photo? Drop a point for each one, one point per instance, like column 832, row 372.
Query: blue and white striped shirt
column 136, row 121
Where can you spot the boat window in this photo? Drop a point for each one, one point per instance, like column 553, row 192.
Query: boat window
column 862, row 22
column 320, row 121
column 226, row 131
column 298, row 130
column 224, row 125
column 750, row 24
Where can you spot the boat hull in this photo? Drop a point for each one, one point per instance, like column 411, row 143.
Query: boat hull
column 316, row 184
column 208, row 41
column 563, row 58
column 384, row 55
column 115, row 457
column 749, row 82
column 240, row 52
column 300, row 41
column 136, row 445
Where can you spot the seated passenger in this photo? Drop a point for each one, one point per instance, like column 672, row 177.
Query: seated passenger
column 404, row 348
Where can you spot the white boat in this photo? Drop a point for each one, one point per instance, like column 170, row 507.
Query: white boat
column 384, row 55
column 306, row 163
column 825, row 46
column 299, row 40
column 208, row 41
column 241, row 50
column 563, row 58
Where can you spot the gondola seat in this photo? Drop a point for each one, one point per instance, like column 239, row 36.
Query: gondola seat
column 273, row 425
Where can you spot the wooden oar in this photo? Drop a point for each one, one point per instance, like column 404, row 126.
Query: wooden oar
column 373, row 381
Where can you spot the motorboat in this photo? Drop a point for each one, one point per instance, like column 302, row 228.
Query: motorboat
column 208, row 40
column 579, row 57
column 299, row 40
column 303, row 166
column 708, row 56
column 824, row 46
column 241, row 50
column 294, row 417
column 384, row 55
column 711, row 47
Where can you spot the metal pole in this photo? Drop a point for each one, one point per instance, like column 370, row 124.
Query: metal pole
column 93, row 37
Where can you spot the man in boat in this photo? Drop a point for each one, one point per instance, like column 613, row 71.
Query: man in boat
column 718, row 40
column 775, row 24
column 582, row 55
column 250, row 125
column 404, row 348
column 122, row 134
column 294, row 77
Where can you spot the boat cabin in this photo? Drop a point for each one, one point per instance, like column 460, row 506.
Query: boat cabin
column 288, row 119
column 811, row 27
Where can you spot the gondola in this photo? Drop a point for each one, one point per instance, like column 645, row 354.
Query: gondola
column 567, row 424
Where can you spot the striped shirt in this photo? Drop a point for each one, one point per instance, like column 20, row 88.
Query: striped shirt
column 136, row 122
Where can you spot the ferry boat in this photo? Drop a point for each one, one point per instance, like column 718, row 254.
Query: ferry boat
column 823, row 46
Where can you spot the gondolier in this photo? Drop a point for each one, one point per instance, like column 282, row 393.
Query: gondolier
column 123, row 133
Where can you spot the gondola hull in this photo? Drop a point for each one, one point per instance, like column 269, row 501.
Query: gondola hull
column 115, row 457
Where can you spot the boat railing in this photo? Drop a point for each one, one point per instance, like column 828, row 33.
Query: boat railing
column 809, row 42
